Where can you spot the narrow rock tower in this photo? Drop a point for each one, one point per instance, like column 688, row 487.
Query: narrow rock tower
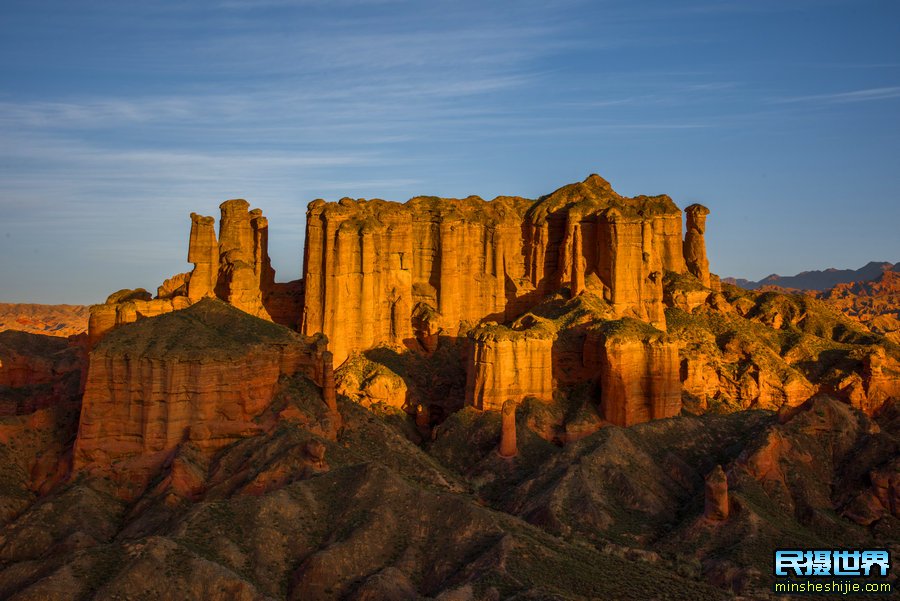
column 695, row 243
column 508, row 430
column 716, row 505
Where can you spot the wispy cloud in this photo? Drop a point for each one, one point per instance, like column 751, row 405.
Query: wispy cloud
column 866, row 95
column 124, row 117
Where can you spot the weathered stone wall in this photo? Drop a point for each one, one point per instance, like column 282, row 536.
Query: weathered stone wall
column 140, row 402
column 505, row 364
column 638, row 374
column 368, row 264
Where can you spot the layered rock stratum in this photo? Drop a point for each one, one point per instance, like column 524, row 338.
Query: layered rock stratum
column 369, row 264
column 200, row 376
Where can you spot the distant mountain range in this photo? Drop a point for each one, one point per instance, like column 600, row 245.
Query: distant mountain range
column 819, row 280
column 49, row 320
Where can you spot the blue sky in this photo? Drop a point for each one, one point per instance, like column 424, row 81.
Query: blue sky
column 117, row 119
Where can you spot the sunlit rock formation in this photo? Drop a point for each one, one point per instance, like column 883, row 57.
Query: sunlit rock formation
column 695, row 243
column 203, row 252
column 504, row 363
column 639, row 372
column 627, row 243
column 244, row 268
column 235, row 268
column 378, row 272
column 369, row 263
column 197, row 376
column 475, row 272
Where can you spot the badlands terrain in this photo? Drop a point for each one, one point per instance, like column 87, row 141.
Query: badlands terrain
column 458, row 399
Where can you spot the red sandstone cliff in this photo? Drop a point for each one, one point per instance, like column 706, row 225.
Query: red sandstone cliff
column 627, row 243
column 639, row 372
column 368, row 264
column 199, row 376
column 506, row 364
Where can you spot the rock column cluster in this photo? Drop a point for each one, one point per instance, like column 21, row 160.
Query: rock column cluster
column 244, row 268
column 383, row 272
column 377, row 272
column 373, row 268
column 235, row 268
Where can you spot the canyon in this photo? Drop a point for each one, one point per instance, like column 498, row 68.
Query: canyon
column 457, row 399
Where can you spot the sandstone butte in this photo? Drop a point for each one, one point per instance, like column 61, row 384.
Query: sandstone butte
column 200, row 376
column 582, row 287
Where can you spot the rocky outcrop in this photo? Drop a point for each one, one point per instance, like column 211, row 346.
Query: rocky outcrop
column 695, row 243
column 329, row 395
column 873, row 303
column 740, row 374
column 875, row 383
column 128, row 306
column 198, row 376
column 203, row 252
column 236, row 269
column 508, row 430
column 371, row 266
column 639, row 372
column 572, row 345
column 627, row 243
column 716, row 495
column 245, row 272
column 506, row 364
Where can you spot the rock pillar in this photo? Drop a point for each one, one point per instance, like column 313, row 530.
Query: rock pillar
column 716, row 502
column 695, row 243
column 578, row 264
column 203, row 252
column 328, row 390
column 508, row 430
